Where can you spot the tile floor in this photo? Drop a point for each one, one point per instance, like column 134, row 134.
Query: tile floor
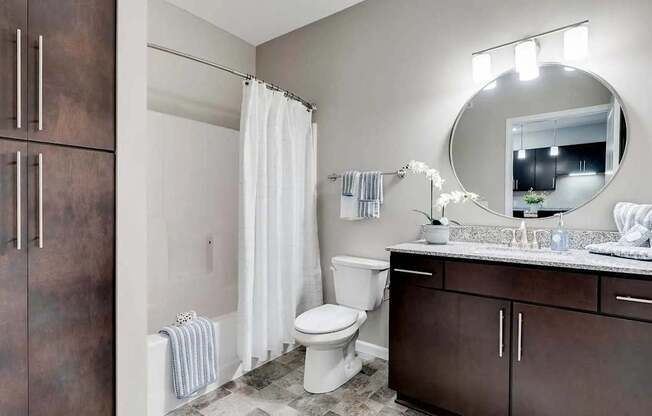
column 276, row 389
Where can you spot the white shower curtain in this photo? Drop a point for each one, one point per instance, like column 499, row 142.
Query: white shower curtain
column 279, row 270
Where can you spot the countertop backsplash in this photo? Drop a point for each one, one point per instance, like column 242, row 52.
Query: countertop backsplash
column 578, row 239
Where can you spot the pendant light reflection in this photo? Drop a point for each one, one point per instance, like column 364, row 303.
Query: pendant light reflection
column 576, row 43
column 525, row 60
column 481, row 68
column 522, row 154
column 554, row 149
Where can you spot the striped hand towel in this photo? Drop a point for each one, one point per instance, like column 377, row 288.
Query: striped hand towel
column 371, row 194
column 349, row 182
column 193, row 355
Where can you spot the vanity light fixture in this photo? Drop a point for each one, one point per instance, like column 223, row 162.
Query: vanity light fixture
column 576, row 43
column 576, row 37
column 525, row 60
column 481, row 68
column 554, row 150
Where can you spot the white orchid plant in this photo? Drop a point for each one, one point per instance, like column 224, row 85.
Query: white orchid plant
column 444, row 199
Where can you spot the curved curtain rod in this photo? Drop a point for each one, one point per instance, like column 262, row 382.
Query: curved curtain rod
column 309, row 106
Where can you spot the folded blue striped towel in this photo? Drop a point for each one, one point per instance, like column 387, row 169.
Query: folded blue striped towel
column 349, row 180
column 193, row 355
column 371, row 194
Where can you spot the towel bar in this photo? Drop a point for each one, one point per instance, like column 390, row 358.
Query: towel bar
column 400, row 173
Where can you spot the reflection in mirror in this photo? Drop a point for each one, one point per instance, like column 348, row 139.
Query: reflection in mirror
column 540, row 147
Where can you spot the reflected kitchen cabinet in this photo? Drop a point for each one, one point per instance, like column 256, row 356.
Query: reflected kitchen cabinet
column 581, row 159
column 524, row 171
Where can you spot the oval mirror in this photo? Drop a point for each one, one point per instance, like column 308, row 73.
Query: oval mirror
column 536, row 148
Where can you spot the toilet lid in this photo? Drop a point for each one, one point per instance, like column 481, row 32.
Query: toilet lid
column 326, row 319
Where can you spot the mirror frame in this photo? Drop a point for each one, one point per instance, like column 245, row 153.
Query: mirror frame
column 511, row 71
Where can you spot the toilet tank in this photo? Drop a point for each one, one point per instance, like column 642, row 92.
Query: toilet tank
column 359, row 282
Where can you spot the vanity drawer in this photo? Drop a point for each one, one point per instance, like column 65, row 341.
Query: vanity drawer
column 627, row 297
column 419, row 270
column 547, row 287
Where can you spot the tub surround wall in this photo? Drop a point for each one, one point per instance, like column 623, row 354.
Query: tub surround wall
column 390, row 77
column 192, row 218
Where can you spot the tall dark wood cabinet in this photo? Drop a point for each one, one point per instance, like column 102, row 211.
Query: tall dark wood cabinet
column 57, row 275
column 13, row 278
column 78, row 72
column 13, row 69
column 71, row 286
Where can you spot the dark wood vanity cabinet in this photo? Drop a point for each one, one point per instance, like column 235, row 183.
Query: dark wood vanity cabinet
column 563, row 350
column 575, row 363
column 449, row 350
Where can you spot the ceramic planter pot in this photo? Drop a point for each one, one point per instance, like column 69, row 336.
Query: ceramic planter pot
column 436, row 234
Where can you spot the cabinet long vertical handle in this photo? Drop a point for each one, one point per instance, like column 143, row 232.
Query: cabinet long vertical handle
column 19, row 95
column 40, row 82
column 19, row 220
column 40, row 200
column 520, row 337
column 501, row 330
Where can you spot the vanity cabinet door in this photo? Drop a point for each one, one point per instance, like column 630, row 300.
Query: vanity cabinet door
column 524, row 171
column 578, row 364
column 445, row 351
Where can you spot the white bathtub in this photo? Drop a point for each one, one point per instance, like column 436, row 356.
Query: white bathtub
column 160, row 395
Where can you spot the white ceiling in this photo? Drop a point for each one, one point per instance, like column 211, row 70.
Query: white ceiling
column 257, row 21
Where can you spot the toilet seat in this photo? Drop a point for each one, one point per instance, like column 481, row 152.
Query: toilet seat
column 326, row 319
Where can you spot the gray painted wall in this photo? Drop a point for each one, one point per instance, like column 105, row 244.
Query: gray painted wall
column 390, row 76
column 188, row 89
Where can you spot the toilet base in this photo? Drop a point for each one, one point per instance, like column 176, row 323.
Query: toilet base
column 328, row 367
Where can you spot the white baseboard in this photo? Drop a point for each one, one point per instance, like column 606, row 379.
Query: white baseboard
column 367, row 348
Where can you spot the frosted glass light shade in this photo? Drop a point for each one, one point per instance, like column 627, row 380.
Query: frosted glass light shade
column 554, row 151
column 481, row 68
column 521, row 154
column 576, row 43
column 525, row 60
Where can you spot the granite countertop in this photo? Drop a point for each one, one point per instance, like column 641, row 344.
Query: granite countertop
column 572, row 259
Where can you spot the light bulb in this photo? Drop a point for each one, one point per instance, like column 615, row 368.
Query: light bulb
column 481, row 68
column 522, row 154
column 525, row 60
column 576, row 43
column 554, row 151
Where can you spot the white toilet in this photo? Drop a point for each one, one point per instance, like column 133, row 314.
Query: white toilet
column 329, row 331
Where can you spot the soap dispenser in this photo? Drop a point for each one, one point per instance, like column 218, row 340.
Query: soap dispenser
column 559, row 236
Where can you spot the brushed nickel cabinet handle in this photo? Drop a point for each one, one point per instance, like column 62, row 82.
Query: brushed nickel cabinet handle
column 19, row 95
column 501, row 329
column 19, row 220
column 413, row 272
column 40, row 82
column 634, row 300
column 520, row 337
column 40, row 200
